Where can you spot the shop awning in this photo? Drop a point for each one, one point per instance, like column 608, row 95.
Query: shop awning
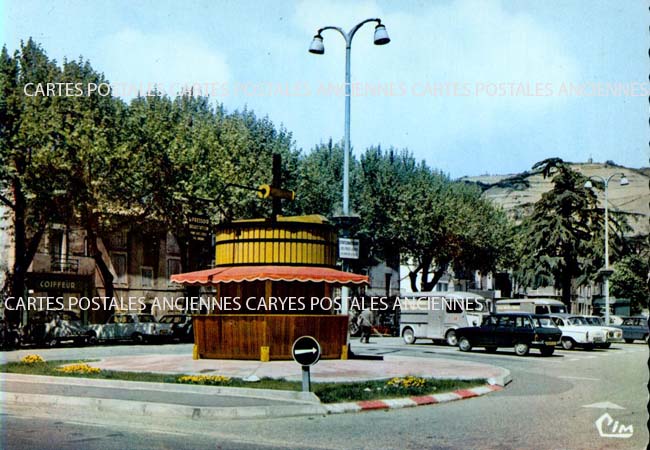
column 237, row 274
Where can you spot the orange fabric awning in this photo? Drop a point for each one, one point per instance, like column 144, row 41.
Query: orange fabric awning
column 237, row 274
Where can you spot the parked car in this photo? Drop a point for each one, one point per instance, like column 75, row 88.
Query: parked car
column 437, row 315
column 181, row 326
column 10, row 336
column 634, row 328
column 138, row 328
column 578, row 333
column 52, row 328
column 614, row 334
column 521, row 331
column 531, row 305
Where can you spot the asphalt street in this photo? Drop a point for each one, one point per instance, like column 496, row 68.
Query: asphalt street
column 552, row 403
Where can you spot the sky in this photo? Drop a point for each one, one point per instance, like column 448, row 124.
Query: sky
column 473, row 87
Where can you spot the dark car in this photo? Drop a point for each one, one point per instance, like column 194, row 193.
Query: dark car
column 181, row 326
column 51, row 328
column 521, row 331
column 634, row 328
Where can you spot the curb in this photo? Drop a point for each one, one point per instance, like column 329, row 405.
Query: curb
column 267, row 394
column 408, row 402
column 502, row 380
column 150, row 409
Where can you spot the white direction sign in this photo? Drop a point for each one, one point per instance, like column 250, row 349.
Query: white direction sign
column 306, row 351
column 348, row 248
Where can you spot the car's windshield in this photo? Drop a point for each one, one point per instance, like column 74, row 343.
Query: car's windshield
column 594, row 320
column 578, row 321
column 146, row 318
column 543, row 322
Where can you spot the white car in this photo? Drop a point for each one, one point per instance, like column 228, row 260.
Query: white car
column 138, row 328
column 574, row 335
column 613, row 334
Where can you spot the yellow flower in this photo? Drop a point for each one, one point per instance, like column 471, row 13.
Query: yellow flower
column 32, row 359
column 204, row 379
column 78, row 368
column 407, row 382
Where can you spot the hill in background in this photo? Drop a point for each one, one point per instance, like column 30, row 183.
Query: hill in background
column 518, row 193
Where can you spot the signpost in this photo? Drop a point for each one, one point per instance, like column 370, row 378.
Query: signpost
column 199, row 227
column 348, row 248
column 306, row 352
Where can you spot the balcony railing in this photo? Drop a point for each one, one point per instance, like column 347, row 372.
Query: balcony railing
column 69, row 265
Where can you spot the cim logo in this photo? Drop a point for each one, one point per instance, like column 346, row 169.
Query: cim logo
column 608, row 427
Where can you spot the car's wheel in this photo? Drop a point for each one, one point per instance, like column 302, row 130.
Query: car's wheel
column 408, row 335
column 547, row 351
column 464, row 344
column 629, row 341
column 91, row 339
column 588, row 347
column 137, row 338
column 568, row 344
column 521, row 349
column 451, row 338
column 491, row 349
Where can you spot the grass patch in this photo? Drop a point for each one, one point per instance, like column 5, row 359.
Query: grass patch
column 384, row 389
column 327, row 392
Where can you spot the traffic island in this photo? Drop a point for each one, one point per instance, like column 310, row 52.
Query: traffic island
column 364, row 381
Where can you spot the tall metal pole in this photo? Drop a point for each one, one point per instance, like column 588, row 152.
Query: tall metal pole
column 606, row 253
column 346, row 150
column 346, row 156
column 606, row 272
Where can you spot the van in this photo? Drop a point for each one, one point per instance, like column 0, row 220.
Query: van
column 436, row 316
column 531, row 305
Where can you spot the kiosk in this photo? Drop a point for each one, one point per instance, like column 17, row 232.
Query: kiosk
column 280, row 263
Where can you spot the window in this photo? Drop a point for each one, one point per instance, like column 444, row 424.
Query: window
column 173, row 267
column 541, row 309
column 118, row 240
column 523, row 322
column 453, row 305
column 490, row 321
column 559, row 322
column 506, row 321
column 146, row 275
column 119, row 260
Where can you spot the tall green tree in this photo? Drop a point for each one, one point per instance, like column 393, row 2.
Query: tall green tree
column 31, row 178
column 558, row 242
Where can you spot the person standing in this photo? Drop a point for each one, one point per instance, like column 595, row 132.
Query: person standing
column 365, row 321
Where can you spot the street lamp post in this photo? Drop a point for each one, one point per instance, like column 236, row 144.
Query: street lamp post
column 317, row 47
column 607, row 272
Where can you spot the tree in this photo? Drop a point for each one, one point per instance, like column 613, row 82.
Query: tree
column 31, row 182
column 631, row 280
column 558, row 242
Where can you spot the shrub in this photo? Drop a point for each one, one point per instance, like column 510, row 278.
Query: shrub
column 211, row 380
column 32, row 359
column 78, row 368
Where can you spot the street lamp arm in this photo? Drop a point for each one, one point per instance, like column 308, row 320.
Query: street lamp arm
column 340, row 30
column 348, row 36
column 359, row 25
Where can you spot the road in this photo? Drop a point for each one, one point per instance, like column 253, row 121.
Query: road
column 545, row 407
